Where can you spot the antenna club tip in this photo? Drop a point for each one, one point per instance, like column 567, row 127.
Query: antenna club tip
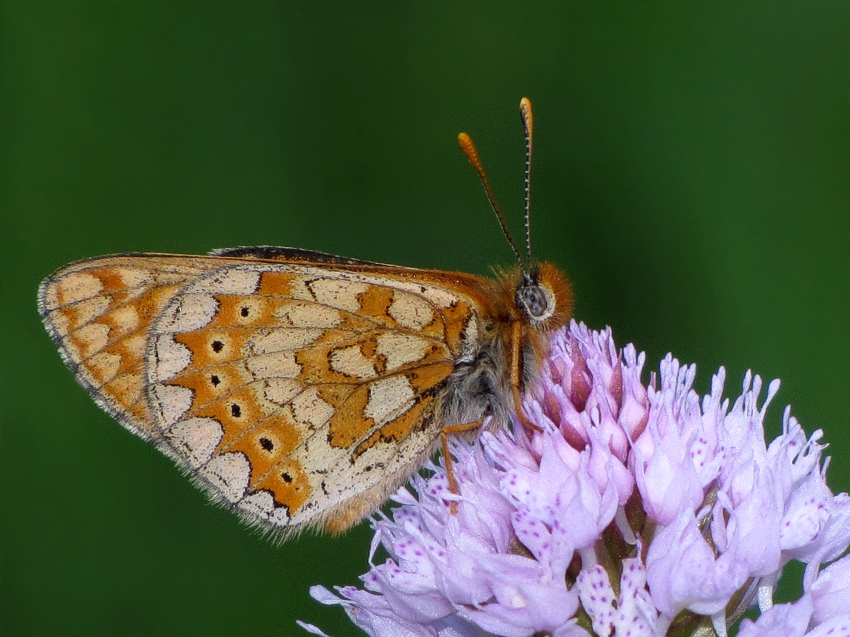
column 468, row 148
column 526, row 114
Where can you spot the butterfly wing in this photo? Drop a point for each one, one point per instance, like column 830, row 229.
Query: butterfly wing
column 99, row 312
column 300, row 395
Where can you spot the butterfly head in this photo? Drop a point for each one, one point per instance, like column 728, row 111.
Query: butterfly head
column 543, row 296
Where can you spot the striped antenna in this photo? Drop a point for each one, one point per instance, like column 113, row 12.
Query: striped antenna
column 528, row 128
column 472, row 155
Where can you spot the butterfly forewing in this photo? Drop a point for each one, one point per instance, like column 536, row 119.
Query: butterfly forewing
column 300, row 394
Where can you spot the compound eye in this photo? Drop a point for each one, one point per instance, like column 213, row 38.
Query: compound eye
column 536, row 301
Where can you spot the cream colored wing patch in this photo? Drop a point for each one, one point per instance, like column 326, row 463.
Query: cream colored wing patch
column 298, row 395
column 287, row 391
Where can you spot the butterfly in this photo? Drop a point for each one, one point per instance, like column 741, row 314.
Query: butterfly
column 301, row 389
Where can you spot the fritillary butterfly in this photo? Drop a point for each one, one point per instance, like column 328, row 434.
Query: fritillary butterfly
column 300, row 389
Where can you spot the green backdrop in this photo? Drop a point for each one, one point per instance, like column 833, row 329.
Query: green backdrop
column 692, row 175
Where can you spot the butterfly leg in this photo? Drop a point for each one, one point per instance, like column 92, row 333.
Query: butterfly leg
column 450, row 475
column 516, row 339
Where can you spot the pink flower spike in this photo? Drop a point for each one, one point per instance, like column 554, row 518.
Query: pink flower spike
column 632, row 508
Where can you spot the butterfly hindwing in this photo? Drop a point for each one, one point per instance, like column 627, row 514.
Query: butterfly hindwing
column 100, row 311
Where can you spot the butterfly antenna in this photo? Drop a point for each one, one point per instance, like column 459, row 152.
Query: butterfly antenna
column 528, row 128
column 472, row 155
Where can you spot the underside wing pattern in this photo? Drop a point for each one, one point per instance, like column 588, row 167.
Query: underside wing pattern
column 271, row 383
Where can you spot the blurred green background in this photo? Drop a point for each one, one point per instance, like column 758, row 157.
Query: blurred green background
column 692, row 174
